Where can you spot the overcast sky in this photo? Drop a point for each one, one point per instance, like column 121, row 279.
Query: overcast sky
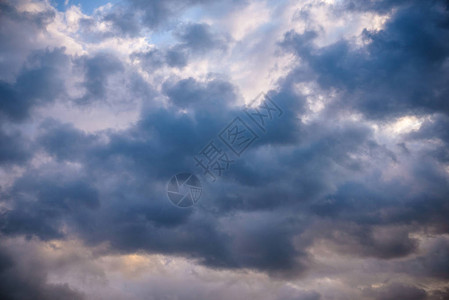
column 343, row 195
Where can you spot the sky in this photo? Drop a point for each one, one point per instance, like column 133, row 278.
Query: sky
column 317, row 132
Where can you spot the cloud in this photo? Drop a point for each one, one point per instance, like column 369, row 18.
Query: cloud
column 39, row 208
column 19, row 282
column 39, row 83
column 433, row 264
column 199, row 38
column 326, row 187
column 408, row 52
column 97, row 70
column 395, row 290
column 155, row 58
column 195, row 40
column 14, row 148
column 20, row 33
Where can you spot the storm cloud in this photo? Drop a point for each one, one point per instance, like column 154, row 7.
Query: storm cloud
column 342, row 195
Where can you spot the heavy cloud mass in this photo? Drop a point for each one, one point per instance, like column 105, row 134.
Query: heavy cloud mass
column 340, row 189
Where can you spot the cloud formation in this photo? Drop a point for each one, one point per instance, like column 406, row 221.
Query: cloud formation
column 345, row 195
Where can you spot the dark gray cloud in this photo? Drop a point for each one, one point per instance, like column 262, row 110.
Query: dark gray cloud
column 194, row 40
column 145, row 223
column 64, row 142
column 434, row 263
column 39, row 82
column 216, row 94
column 396, row 73
column 125, row 22
column 440, row 294
column 40, row 206
column 313, row 179
column 435, row 130
column 156, row 58
column 132, row 221
column 382, row 6
column 199, row 38
column 19, row 33
column 97, row 70
column 159, row 13
column 129, row 18
column 121, row 21
column 19, row 282
column 294, row 294
column 14, row 148
column 397, row 291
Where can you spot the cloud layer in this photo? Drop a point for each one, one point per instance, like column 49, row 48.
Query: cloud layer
column 344, row 196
